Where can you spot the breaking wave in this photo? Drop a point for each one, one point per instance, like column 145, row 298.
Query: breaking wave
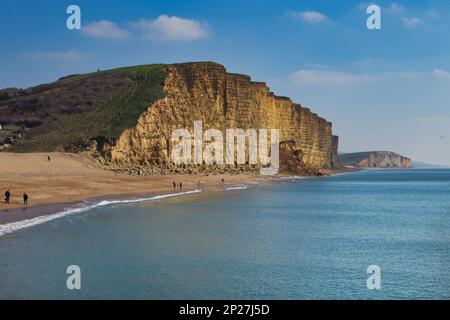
column 19, row 225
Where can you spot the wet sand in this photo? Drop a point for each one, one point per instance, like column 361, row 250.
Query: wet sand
column 71, row 180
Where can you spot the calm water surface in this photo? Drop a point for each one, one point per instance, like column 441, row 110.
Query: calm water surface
column 302, row 239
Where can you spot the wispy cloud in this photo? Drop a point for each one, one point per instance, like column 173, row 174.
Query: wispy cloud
column 320, row 77
column 395, row 8
column 312, row 17
column 412, row 22
column 69, row 55
column 171, row 28
column 406, row 74
column 441, row 74
column 432, row 14
column 410, row 18
column 105, row 29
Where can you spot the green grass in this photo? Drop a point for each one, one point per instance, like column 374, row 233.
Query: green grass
column 108, row 120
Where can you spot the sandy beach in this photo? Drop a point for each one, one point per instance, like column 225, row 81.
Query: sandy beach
column 69, row 179
column 72, row 178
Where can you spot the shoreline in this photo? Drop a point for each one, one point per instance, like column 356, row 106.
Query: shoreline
column 79, row 184
column 15, row 219
column 12, row 220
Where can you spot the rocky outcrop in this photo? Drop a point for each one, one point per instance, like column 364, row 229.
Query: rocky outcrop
column 375, row 159
column 206, row 92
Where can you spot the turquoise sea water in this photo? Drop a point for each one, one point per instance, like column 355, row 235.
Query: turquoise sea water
column 300, row 239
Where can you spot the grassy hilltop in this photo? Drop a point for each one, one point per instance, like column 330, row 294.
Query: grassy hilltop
column 74, row 109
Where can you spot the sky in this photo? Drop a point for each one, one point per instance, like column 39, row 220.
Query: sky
column 386, row 89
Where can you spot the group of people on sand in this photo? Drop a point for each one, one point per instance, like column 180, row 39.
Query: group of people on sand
column 180, row 185
column 175, row 185
column 25, row 195
column 8, row 197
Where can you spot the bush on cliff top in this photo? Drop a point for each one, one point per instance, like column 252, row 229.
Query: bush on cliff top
column 110, row 119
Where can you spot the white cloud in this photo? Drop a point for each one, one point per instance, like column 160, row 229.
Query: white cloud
column 324, row 77
column 395, row 8
column 172, row 28
column 318, row 77
column 441, row 74
column 309, row 16
column 412, row 22
column 406, row 74
column 105, row 29
column 432, row 14
column 70, row 55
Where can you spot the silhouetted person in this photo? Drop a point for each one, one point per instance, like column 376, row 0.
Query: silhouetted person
column 223, row 181
column 181, row 186
column 25, row 199
column 49, row 159
column 7, row 196
column 174, row 185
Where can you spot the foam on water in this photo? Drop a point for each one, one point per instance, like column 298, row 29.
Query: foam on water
column 236, row 188
column 19, row 225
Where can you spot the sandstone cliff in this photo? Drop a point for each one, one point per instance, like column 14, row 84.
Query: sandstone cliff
column 375, row 159
column 206, row 92
column 125, row 117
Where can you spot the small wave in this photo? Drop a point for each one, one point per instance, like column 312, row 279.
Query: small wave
column 236, row 188
column 290, row 178
column 19, row 225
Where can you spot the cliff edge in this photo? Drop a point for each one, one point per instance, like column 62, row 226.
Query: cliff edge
column 124, row 117
column 375, row 159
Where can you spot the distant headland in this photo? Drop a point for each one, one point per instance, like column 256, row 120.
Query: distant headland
column 375, row 159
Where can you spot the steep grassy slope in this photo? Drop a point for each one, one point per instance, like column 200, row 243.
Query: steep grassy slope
column 138, row 87
column 354, row 158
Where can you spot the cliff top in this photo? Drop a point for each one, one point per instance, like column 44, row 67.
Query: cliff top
column 78, row 107
column 352, row 159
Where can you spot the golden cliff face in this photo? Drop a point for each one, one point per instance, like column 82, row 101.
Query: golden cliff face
column 206, row 92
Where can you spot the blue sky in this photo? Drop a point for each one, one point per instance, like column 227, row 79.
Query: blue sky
column 385, row 89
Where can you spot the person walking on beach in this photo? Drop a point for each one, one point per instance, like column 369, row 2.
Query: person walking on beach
column 7, row 196
column 25, row 199
column 181, row 186
column 174, row 185
column 49, row 159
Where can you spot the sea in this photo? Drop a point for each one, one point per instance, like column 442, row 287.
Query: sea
column 295, row 238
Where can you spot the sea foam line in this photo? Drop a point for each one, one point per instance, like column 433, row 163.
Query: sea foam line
column 236, row 188
column 19, row 225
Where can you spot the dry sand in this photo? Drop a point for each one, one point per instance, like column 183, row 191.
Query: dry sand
column 71, row 178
